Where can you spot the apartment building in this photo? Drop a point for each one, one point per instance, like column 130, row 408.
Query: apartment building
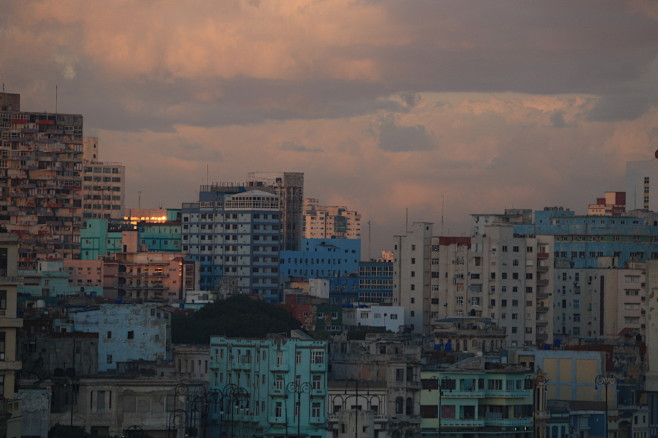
column 236, row 238
column 275, row 386
column 103, row 184
column 330, row 222
column 40, row 181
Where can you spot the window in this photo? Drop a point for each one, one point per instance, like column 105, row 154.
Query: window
column 109, row 358
column 278, row 409
column 279, row 358
column 399, row 405
column 399, row 374
column 317, row 356
column 298, row 357
column 317, row 381
column 131, row 334
column 315, row 409
column 278, row 381
column 2, row 345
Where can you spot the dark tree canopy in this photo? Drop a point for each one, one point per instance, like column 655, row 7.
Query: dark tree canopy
column 237, row 316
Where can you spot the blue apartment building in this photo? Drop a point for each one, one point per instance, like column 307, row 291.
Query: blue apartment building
column 322, row 258
column 269, row 387
column 581, row 241
column 235, row 235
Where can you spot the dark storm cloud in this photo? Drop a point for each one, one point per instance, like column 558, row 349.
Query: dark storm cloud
column 393, row 137
column 296, row 147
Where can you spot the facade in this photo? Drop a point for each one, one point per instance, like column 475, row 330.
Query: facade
column 411, row 275
column 108, row 406
column 289, row 189
column 478, row 402
column 236, row 238
column 470, row 334
column 40, row 181
column 641, row 180
column 322, row 258
column 10, row 420
column 390, row 318
column 375, row 282
column 153, row 276
column 127, row 332
column 390, row 365
column 103, row 187
column 496, row 273
column 612, row 204
column 282, row 381
column 330, row 222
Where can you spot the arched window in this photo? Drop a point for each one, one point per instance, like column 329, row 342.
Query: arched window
column 410, row 406
column 399, row 405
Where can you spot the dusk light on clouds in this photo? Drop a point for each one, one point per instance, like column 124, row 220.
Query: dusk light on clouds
column 384, row 105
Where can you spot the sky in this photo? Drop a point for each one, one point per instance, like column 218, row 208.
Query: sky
column 429, row 110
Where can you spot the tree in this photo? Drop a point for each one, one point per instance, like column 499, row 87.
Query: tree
column 237, row 316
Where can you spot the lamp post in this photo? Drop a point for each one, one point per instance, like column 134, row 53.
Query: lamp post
column 606, row 381
column 443, row 383
column 356, row 406
column 299, row 388
column 231, row 397
column 200, row 408
column 176, row 418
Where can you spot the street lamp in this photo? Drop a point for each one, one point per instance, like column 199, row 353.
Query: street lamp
column 231, row 397
column 606, row 381
column 299, row 388
column 356, row 406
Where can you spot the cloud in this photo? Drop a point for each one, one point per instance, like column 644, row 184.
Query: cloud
column 296, row 147
column 619, row 107
column 557, row 119
column 393, row 137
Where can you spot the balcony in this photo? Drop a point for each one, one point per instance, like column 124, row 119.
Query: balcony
column 542, row 309
column 10, row 280
column 542, row 282
column 542, row 255
column 509, row 422
column 465, row 422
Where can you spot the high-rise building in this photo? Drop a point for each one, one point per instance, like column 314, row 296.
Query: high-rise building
column 612, row 204
column 330, row 222
column 103, row 190
column 40, row 181
column 642, row 185
column 236, row 237
column 289, row 188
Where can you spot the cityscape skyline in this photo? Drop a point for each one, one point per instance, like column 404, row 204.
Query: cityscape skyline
column 435, row 108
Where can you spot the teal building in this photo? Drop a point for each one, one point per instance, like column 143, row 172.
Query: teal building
column 269, row 387
column 473, row 403
column 100, row 237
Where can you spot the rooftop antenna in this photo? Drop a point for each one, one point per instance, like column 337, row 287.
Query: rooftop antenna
column 406, row 220
column 139, row 199
column 369, row 239
column 443, row 203
column 3, row 87
column 56, row 99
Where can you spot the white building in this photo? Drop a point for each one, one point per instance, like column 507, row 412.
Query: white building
column 642, row 185
column 330, row 222
column 103, row 184
column 389, row 317
column 127, row 332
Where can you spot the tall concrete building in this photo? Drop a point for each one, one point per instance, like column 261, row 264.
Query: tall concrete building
column 236, row 238
column 642, row 185
column 330, row 222
column 289, row 188
column 103, row 190
column 496, row 273
column 40, row 181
